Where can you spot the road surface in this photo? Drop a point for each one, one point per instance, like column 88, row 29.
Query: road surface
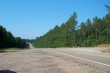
column 54, row 61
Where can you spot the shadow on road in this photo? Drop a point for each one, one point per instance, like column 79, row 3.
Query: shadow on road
column 7, row 71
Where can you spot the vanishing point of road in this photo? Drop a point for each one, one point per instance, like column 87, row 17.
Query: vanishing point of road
column 54, row 61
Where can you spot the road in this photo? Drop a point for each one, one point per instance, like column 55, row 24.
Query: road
column 54, row 61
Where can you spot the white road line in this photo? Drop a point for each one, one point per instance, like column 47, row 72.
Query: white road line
column 80, row 58
column 95, row 54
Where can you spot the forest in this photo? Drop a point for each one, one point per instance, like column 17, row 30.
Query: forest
column 7, row 40
column 69, row 34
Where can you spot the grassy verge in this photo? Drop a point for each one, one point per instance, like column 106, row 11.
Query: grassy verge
column 106, row 47
column 12, row 49
column 107, row 50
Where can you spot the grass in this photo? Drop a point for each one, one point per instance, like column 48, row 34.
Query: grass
column 12, row 49
column 107, row 50
column 106, row 47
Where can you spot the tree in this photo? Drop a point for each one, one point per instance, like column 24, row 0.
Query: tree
column 7, row 40
column 90, row 33
column 108, row 8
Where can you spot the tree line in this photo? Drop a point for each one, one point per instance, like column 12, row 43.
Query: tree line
column 29, row 40
column 69, row 34
column 7, row 40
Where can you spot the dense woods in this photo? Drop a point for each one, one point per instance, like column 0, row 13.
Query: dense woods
column 69, row 34
column 7, row 40
column 29, row 40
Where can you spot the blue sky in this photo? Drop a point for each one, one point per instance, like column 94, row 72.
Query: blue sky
column 33, row 18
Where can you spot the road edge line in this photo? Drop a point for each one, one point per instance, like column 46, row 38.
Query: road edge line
column 81, row 58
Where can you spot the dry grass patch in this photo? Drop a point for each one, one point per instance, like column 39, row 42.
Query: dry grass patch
column 12, row 50
column 106, row 50
column 105, row 47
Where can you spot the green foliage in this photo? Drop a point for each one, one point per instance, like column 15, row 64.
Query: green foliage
column 90, row 33
column 108, row 8
column 7, row 40
column 29, row 40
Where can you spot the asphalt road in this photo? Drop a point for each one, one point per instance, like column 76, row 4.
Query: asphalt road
column 54, row 61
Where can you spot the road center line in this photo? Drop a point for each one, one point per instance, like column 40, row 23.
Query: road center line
column 80, row 58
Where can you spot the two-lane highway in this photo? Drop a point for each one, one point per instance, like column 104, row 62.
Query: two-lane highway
column 54, row 61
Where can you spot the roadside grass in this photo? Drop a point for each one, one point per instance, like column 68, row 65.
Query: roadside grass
column 2, row 50
column 107, row 50
column 106, row 47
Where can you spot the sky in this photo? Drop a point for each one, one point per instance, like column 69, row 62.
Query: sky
column 33, row 18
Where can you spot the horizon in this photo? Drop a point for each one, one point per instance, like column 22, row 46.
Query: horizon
column 30, row 19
